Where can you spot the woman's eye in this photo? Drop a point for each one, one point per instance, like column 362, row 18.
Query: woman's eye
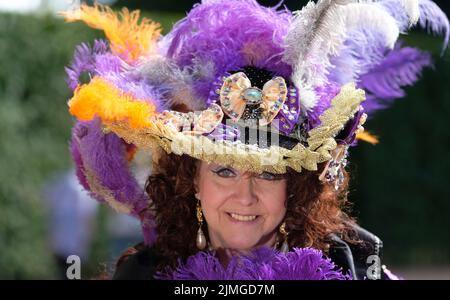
column 267, row 176
column 225, row 172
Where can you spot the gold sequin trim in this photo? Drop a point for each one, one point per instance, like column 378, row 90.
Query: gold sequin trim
column 250, row 157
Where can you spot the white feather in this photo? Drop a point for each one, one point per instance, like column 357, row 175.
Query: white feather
column 413, row 10
column 365, row 15
column 411, row 7
column 159, row 72
column 310, row 42
column 318, row 32
column 308, row 98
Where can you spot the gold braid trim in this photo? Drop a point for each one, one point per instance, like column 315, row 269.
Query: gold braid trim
column 343, row 107
column 244, row 157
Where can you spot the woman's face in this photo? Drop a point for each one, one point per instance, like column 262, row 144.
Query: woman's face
column 242, row 210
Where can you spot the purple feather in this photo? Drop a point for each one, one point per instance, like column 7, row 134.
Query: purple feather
column 305, row 264
column 229, row 34
column 347, row 136
column 435, row 20
column 431, row 17
column 102, row 157
column 203, row 265
column 401, row 67
column 397, row 11
column 78, row 133
column 137, row 87
column 261, row 264
column 98, row 62
column 106, row 63
column 84, row 61
column 362, row 50
column 324, row 94
column 115, row 70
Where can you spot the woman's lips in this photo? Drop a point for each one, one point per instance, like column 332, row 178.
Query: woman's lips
column 242, row 218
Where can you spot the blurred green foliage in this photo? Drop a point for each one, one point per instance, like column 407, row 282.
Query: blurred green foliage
column 34, row 132
column 400, row 187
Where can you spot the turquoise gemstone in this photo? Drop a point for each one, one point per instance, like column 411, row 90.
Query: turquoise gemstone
column 252, row 95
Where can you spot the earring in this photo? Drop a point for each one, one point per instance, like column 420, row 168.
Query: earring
column 200, row 240
column 285, row 246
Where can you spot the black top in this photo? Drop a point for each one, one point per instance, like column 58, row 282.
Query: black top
column 362, row 259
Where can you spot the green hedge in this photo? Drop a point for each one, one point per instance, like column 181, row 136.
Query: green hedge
column 401, row 185
column 34, row 132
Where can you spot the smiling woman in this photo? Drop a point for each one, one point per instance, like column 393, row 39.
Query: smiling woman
column 240, row 210
column 248, row 113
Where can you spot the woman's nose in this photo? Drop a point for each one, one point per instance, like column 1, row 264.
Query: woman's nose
column 245, row 192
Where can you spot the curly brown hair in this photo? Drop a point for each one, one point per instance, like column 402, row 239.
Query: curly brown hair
column 314, row 211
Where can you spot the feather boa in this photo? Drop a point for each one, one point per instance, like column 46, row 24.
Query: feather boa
column 261, row 264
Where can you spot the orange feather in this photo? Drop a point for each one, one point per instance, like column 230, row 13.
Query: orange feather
column 129, row 39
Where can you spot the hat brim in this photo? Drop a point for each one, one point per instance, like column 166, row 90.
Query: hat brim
column 139, row 124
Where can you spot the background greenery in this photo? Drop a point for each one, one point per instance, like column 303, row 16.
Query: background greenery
column 400, row 187
column 34, row 134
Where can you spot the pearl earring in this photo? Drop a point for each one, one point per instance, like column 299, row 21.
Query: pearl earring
column 200, row 240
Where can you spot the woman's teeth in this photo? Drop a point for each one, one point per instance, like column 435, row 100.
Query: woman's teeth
column 242, row 218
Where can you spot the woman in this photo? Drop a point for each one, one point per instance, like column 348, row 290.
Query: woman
column 249, row 115
column 242, row 211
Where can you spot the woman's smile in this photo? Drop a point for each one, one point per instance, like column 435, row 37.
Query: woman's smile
column 242, row 218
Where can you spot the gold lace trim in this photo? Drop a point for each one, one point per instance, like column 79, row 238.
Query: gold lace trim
column 249, row 157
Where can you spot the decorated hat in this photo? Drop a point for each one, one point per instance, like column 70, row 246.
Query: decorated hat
column 260, row 89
